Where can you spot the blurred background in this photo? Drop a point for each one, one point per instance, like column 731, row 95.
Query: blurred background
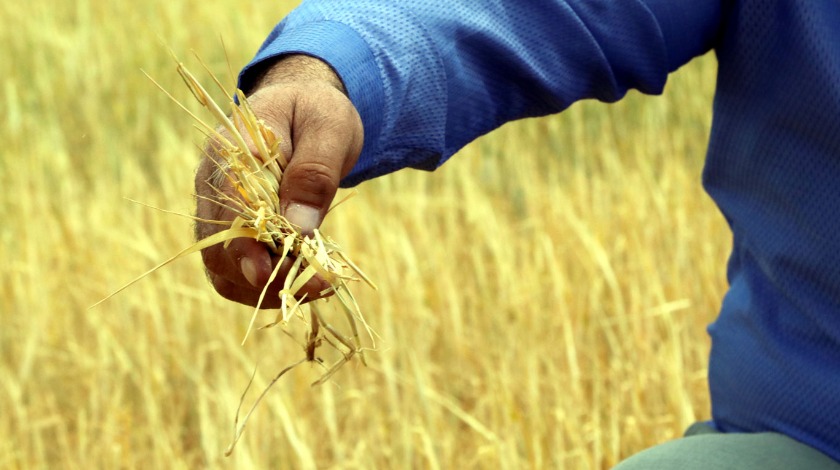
column 543, row 297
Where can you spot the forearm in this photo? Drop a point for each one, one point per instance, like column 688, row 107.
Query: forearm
column 429, row 76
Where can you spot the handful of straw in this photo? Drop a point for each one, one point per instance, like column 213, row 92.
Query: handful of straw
column 256, row 180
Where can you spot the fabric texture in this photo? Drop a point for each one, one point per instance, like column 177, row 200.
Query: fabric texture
column 429, row 76
column 705, row 448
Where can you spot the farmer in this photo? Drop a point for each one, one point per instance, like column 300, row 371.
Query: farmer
column 368, row 87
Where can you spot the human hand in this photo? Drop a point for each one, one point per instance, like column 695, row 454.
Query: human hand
column 303, row 101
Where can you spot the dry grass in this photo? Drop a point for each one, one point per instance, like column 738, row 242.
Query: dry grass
column 568, row 333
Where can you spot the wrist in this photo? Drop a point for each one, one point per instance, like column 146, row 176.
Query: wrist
column 297, row 68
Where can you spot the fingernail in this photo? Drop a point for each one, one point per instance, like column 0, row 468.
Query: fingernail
column 305, row 217
column 249, row 270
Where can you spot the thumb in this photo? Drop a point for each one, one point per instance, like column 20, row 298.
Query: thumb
column 327, row 139
column 307, row 190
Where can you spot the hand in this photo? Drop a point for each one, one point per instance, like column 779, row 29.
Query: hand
column 304, row 103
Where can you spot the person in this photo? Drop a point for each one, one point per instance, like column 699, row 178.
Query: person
column 361, row 88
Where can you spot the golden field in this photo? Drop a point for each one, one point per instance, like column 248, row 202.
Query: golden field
column 543, row 297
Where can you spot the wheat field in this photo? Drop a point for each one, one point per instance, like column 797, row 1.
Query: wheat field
column 543, row 296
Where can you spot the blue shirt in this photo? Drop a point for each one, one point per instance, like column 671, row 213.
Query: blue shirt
column 429, row 76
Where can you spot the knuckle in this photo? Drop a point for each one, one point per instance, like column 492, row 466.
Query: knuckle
column 225, row 288
column 214, row 260
column 233, row 292
column 314, row 179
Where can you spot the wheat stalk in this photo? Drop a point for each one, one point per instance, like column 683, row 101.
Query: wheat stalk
column 256, row 179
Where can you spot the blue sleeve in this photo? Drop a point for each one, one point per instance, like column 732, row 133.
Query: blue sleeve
column 429, row 76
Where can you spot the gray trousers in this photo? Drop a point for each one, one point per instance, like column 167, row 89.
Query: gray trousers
column 704, row 448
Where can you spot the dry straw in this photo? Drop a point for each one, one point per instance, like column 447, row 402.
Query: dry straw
column 256, row 179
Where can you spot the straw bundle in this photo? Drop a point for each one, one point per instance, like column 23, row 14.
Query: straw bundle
column 256, row 179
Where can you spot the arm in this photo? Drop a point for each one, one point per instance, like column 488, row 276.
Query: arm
column 427, row 78
column 430, row 76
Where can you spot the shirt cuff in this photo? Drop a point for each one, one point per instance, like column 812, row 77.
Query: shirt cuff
column 348, row 54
